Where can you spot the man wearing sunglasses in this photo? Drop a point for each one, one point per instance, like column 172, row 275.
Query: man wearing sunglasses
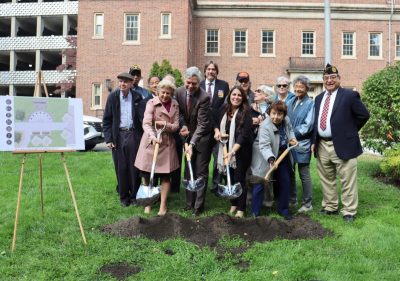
column 339, row 115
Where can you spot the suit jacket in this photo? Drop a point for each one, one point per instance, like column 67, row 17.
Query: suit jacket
column 112, row 115
column 198, row 119
column 349, row 115
column 221, row 91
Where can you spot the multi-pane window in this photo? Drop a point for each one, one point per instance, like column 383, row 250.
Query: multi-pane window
column 98, row 25
column 165, row 24
column 212, row 41
column 267, row 42
column 308, row 43
column 131, row 27
column 398, row 45
column 96, row 95
column 348, row 44
column 240, row 42
column 375, row 44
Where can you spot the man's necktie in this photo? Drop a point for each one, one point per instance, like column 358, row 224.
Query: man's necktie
column 324, row 115
column 188, row 102
column 209, row 90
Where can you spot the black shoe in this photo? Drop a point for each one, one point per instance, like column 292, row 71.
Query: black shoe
column 348, row 218
column 329, row 213
column 187, row 208
column 134, row 202
column 288, row 217
column 196, row 212
column 125, row 203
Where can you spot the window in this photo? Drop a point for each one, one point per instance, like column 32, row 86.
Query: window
column 240, row 42
column 267, row 42
column 212, row 41
column 348, row 43
column 397, row 45
column 375, row 45
column 131, row 33
column 98, row 25
column 96, row 95
column 166, row 25
column 308, row 43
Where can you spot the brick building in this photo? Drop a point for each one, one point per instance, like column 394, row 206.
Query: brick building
column 265, row 38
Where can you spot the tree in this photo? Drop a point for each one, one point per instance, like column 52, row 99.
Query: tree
column 67, row 84
column 381, row 94
column 164, row 69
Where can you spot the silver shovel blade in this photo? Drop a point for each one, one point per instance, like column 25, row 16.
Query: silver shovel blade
column 231, row 192
column 195, row 185
column 147, row 195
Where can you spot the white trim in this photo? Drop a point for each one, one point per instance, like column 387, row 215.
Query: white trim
column 218, row 42
column 313, row 45
column 95, row 35
column 245, row 54
column 131, row 42
column 92, row 105
column 273, row 54
column 354, row 56
column 169, row 34
column 380, row 46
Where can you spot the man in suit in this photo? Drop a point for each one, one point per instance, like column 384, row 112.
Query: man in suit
column 217, row 90
column 122, row 126
column 196, row 125
column 340, row 114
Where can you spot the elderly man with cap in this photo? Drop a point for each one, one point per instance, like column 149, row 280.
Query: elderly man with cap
column 243, row 80
column 136, row 73
column 339, row 115
column 122, row 126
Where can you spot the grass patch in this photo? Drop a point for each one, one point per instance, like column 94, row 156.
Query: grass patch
column 51, row 248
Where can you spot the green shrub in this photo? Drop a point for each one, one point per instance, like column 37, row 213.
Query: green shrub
column 390, row 165
column 381, row 95
column 164, row 69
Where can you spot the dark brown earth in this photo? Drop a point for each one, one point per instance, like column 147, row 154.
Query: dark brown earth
column 207, row 231
column 387, row 180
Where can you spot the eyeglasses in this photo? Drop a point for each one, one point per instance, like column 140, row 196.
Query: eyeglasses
column 332, row 77
column 257, row 91
column 282, row 85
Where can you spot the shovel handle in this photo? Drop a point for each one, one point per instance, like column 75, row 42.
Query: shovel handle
column 187, row 154
column 225, row 154
column 156, row 148
column 278, row 161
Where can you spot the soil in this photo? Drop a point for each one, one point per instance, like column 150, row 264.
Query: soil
column 387, row 180
column 207, row 231
column 120, row 271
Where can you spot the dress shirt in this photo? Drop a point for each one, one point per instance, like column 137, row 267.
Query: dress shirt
column 126, row 110
column 327, row 133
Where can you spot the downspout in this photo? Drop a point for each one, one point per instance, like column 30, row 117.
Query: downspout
column 390, row 33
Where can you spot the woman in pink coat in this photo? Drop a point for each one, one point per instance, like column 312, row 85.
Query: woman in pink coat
column 160, row 108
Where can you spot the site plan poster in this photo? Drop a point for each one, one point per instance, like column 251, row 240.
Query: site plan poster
column 40, row 124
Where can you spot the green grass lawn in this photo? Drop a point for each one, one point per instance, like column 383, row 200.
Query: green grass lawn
column 51, row 248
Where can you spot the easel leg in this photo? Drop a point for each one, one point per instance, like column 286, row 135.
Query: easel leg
column 73, row 197
column 41, row 184
column 21, row 177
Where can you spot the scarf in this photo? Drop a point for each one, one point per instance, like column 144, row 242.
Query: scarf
column 220, row 160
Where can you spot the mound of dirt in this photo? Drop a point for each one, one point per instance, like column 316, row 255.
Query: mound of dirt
column 207, row 231
column 120, row 271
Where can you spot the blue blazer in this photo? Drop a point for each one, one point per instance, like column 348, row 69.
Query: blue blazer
column 221, row 91
column 349, row 115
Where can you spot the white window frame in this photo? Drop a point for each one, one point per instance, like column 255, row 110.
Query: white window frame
column 95, row 24
column 369, row 45
column 353, row 56
column 313, row 44
column 245, row 54
column 206, row 42
column 94, row 95
column 168, row 35
column 262, row 42
column 397, row 46
column 132, row 42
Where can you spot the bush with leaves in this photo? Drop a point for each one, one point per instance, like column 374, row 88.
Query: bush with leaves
column 381, row 94
column 164, row 69
column 390, row 165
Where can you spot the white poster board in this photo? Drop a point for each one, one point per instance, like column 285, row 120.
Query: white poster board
column 41, row 124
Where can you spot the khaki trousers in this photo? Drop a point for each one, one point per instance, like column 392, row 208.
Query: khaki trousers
column 328, row 166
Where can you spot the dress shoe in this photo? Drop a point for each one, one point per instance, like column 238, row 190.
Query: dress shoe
column 329, row 213
column 134, row 202
column 196, row 212
column 187, row 208
column 288, row 217
column 125, row 203
column 348, row 218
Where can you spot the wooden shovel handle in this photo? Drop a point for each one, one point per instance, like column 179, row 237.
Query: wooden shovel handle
column 277, row 162
column 187, row 154
column 156, row 147
column 225, row 154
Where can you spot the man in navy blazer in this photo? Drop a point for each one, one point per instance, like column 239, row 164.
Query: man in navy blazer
column 340, row 114
column 217, row 90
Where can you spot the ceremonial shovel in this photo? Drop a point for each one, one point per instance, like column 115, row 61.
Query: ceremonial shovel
column 229, row 191
column 278, row 161
column 147, row 195
column 192, row 184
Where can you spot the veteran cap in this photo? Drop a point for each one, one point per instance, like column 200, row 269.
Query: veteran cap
column 125, row 76
column 330, row 69
column 243, row 76
column 135, row 70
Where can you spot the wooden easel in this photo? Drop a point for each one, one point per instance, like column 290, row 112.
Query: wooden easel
column 38, row 85
column 37, row 93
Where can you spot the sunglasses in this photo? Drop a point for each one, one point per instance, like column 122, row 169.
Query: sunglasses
column 281, row 85
column 243, row 80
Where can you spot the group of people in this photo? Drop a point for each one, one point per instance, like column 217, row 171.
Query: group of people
column 257, row 128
